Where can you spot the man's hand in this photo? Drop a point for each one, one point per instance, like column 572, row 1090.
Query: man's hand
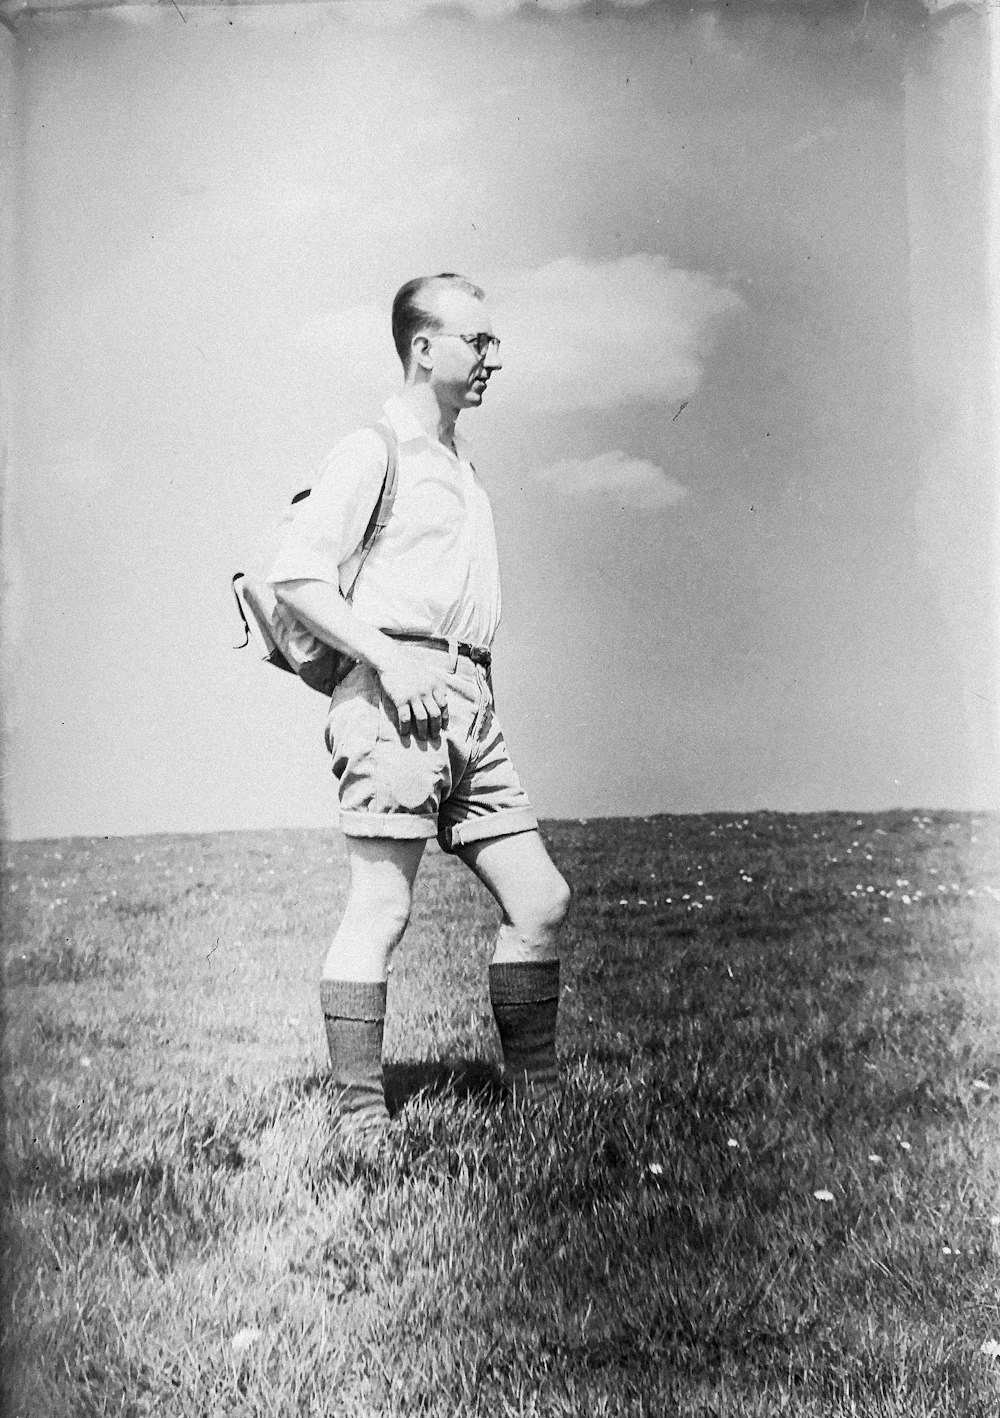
column 415, row 693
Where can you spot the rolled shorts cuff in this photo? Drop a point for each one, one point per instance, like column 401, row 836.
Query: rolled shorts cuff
column 491, row 824
column 400, row 825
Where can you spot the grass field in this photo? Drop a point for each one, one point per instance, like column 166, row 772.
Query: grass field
column 772, row 1185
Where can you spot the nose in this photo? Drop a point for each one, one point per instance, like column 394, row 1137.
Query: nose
column 491, row 359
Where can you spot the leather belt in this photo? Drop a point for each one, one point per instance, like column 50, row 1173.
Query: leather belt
column 475, row 653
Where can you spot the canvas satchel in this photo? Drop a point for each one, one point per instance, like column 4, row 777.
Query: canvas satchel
column 288, row 644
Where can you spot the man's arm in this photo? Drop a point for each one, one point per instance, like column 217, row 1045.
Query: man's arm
column 417, row 693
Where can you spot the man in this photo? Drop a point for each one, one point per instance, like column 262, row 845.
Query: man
column 416, row 746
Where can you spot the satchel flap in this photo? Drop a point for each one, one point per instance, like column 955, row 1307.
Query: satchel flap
column 259, row 599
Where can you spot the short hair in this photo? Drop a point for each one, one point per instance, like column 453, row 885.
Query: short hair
column 409, row 314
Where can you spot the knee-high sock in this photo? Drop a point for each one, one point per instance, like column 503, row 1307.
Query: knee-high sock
column 354, row 1015
column 525, row 1000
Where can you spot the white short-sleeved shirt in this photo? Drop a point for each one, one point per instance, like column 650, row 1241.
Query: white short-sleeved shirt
column 433, row 570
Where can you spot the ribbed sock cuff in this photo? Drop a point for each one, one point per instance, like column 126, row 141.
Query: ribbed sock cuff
column 524, row 982
column 353, row 999
column 354, row 1016
column 525, row 1000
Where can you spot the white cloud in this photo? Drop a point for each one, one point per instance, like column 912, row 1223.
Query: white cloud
column 593, row 334
column 630, row 482
column 575, row 334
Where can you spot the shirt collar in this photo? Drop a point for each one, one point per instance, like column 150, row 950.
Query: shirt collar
column 408, row 427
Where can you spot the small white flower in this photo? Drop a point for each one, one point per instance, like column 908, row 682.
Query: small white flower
column 905, row 1146
column 874, row 1157
column 990, row 1348
column 906, row 901
column 981, row 1085
column 946, row 1250
column 655, row 1169
column 244, row 1338
column 732, row 1142
column 823, row 1195
column 623, row 902
column 84, row 1062
column 887, row 920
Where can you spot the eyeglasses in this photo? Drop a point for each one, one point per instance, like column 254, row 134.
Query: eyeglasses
column 482, row 342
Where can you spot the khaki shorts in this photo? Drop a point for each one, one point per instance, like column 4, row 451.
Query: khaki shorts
column 460, row 787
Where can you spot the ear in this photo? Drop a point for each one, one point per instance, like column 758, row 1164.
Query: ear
column 420, row 351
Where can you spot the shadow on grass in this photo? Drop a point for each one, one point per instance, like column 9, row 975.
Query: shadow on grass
column 463, row 1078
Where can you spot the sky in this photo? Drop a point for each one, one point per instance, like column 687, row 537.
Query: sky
column 741, row 455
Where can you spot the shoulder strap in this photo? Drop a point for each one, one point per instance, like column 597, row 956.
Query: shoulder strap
column 383, row 508
column 376, row 523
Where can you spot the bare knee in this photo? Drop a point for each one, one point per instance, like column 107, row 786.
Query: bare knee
column 380, row 911
column 558, row 904
column 540, row 914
